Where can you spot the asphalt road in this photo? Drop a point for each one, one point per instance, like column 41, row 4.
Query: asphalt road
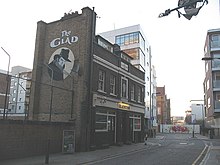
column 173, row 149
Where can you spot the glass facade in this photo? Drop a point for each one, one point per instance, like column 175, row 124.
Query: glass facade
column 127, row 39
column 215, row 41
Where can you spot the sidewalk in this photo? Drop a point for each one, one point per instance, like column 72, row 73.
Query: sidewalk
column 212, row 156
column 84, row 157
column 80, row 157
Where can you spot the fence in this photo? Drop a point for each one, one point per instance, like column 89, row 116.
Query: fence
column 179, row 128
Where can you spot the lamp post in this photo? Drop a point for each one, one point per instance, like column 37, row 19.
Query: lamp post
column 50, row 114
column 190, row 7
column 7, row 79
column 152, row 112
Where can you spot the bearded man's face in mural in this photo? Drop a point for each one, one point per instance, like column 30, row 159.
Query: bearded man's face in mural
column 61, row 64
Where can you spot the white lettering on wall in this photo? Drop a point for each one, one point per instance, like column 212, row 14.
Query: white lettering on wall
column 66, row 38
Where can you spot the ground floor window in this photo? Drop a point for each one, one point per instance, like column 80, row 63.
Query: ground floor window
column 104, row 121
column 136, row 122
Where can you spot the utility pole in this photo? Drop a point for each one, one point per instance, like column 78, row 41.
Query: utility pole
column 7, row 86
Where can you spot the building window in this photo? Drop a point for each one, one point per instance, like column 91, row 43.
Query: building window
column 132, row 91
column 139, row 94
column 101, row 122
column 127, row 39
column 104, row 121
column 136, row 122
column 105, row 45
column 215, row 41
column 134, row 53
column 218, row 96
column 124, row 66
column 217, row 76
column 112, row 84
column 124, row 87
column 101, row 83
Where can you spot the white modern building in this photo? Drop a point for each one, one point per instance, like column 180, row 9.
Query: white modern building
column 133, row 42
column 19, row 90
column 197, row 112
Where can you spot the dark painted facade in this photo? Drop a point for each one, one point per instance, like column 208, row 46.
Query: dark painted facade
column 118, row 105
column 84, row 80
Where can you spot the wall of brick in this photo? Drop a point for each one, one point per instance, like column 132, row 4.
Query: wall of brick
column 28, row 138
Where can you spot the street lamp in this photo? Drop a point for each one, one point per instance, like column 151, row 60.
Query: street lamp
column 7, row 79
column 190, row 7
column 152, row 112
column 50, row 114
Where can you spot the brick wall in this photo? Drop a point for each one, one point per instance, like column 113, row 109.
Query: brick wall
column 28, row 138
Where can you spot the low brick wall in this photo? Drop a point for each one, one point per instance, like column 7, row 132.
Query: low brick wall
column 23, row 138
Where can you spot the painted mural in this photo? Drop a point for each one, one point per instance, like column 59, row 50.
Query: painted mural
column 61, row 64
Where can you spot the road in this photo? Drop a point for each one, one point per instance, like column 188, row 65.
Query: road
column 173, row 149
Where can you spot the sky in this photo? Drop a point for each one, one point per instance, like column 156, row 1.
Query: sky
column 176, row 43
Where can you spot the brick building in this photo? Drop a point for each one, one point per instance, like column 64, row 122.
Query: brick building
column 82, row 79
column 163, row 107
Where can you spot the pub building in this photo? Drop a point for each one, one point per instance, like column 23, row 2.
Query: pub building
column 81, row 78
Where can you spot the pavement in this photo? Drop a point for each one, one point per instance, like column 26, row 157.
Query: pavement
column 212, row 156
column 211, row 152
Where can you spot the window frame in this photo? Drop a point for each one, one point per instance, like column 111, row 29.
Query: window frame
column 106, row 123
column 132, row 91
column 123, row 79
column 112, row 84
column 101, row 82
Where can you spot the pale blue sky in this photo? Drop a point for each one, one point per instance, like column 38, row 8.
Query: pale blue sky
column 177, row 43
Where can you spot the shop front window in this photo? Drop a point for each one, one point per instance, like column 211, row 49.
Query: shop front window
column 136, row 122
column 105, row 121
column 101, row 122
